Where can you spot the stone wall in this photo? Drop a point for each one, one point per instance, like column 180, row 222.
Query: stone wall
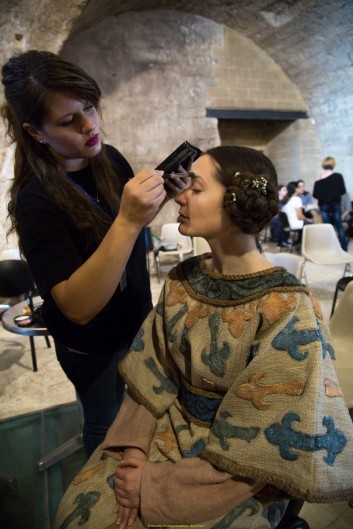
column 305, row 48
column 156, row 88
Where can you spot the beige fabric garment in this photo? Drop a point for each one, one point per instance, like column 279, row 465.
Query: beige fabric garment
column 228, row 377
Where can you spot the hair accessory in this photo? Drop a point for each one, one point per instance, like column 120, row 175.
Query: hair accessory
column 259, row 185
column 236, row 174
column 234, row 199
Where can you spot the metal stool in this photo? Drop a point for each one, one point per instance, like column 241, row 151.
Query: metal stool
column 341, row 285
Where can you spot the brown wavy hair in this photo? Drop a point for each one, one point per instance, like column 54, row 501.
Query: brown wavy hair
column 29, row 79
column 249, row 203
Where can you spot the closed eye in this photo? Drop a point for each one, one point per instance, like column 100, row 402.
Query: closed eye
column 67, row 122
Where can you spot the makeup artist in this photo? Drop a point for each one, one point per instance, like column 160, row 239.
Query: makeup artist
column 79, row 213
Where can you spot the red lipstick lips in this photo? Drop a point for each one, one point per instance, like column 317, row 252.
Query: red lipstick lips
column 92, row 141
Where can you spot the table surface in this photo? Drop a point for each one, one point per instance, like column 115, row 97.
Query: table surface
column 8, row 320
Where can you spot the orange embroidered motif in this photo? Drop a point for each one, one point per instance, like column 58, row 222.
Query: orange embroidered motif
column 332, row 389
column 237, row 317
column 256, row 392
column 86, row 474
column 167, row 437
column 197, row 311
column 316, row 305
column 275, row 304
column 177, row 293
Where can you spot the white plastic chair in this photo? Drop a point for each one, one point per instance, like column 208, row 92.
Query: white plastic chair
column 183, row 245
column 291, row 262
column 10, row 253
column 200, row 245
column 320, row 245
column 342, row 340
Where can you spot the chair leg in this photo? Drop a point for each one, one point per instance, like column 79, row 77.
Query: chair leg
column 47, row 341
column 334, row 302
column 33, row 354
column 302, row 271
column 158, row 266
column 347, row 269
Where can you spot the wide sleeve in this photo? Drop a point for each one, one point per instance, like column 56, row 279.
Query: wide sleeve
column 283, row 420
column 190, row 491
column 133, row 427
column 148, row 369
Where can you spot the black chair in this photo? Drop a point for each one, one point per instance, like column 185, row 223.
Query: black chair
column 340, row 286
column 291, row 520
column 16, row 284
column 294, row 234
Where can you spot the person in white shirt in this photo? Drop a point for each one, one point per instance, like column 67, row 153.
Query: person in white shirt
column 293, row 208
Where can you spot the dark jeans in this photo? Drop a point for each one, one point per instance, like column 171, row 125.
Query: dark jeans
column 331, row 214
column 99, row 387
column 278, row 233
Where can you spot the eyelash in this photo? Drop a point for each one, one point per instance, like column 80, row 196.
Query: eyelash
column 86, row 108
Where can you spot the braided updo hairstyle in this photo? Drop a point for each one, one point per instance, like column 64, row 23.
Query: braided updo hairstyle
column 250, row 179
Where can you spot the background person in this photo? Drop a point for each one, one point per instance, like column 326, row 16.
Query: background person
column 346, row 207
column 305, row 196
column 78, row 211
column 226, row 404
column 293, row 208
column 328, row 189
column 278, row 234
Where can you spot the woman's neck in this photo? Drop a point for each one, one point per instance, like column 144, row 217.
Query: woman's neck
column 238, row 256
column 326, row 173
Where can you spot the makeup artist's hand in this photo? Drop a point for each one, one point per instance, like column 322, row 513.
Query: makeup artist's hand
column 175, row 185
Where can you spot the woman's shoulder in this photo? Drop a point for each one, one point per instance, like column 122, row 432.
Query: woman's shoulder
column 33, row 188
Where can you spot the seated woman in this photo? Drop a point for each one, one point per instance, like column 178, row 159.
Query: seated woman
column 293, row 208
column 233, row 403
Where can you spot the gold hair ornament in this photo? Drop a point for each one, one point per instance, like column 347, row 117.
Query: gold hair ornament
column 259, row 185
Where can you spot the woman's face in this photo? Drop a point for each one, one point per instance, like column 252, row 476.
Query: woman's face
column 71, row 130
column 201, row 211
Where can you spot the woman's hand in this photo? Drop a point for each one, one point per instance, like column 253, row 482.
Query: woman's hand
column 142, row 197
column 175, row 185
column 127, row 486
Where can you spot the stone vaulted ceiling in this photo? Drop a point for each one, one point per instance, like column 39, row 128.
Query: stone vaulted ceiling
column 311, row 40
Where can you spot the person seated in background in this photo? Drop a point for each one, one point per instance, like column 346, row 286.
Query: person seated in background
column 278, row 234
column 232, row 391
column 293, row 208
column 346, row 205
column 305, row 196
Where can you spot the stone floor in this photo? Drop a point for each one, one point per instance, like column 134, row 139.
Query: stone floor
column 23, row 391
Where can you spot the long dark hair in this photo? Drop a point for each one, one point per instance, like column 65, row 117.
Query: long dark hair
column 29, row 79
column 250, row 179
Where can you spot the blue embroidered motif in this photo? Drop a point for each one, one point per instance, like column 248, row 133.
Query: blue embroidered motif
column 224, row 431
column 165, row 383
column 290, row 338
column 110, row 481
column 217, row 355
column 287, row 439
column 326, row 347
column 169, row 324
column 138, row 343
column 84, row 502
column 196, row 449
column 252, row 505
column 199, row 406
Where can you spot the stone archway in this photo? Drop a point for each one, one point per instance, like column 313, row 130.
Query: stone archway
column 311, row 43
